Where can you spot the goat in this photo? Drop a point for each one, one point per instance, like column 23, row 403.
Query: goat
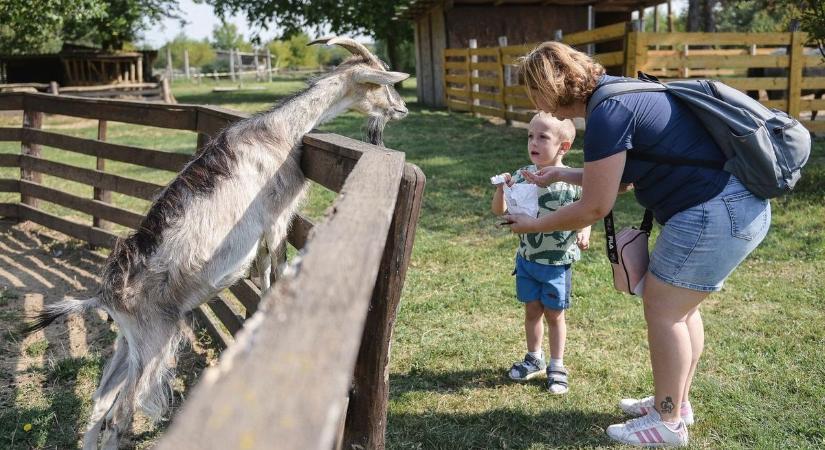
column 202, row 233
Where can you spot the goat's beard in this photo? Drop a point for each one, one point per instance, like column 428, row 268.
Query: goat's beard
column 375, row 130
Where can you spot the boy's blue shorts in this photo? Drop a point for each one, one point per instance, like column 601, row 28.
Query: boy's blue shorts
column 549, row 284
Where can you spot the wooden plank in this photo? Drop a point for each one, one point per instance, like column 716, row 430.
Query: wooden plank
column 484, row 81
column 248, row 294
column 494, row 96
column 367, row 409
column 630, row 44
column 455, row 52
column 778, row 104
column 521, row 102
column 125, row 87
column 462, row 79
column 460, row 106
column 511, row 60
column 812, row 105
column 100, row 194
column 455, row 66
column 597, row 35
column 10, row 134
column 813, row 60
column 496, row 112
column 484, row 51
column 328, row 158
column 11, row 101
column 219, row 339
column 518, row 50
column 813, row 83
column 180, row 117
column 814, row 126
column 707, row 62
column 518, row 89
column 9, row 160
column 277, row 348
column 9, row 210
column 610, row 59
column 701, row 38
column 743, row 84
column 92, row 207
column 299, row 231
column 155, row 159
column 94, row 236
column 8, row 185
column 795, row 74
column 491, row 66
column 456, row 92
column 225, row 313
column 28, row 149
column 128, row 186
column 212, row 119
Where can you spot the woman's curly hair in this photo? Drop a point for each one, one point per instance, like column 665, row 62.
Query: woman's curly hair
column 559, row 74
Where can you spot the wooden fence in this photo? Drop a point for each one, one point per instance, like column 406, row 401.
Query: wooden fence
column 291, row 381
column 159, row 92
column 776, row 66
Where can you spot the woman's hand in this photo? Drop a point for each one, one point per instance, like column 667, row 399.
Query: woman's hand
column 583, row 238
column 543, row 177
column 520, row 223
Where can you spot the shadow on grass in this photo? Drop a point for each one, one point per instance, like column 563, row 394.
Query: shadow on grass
column 500, row 428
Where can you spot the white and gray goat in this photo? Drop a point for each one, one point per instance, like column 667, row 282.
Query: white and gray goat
column 203, row 232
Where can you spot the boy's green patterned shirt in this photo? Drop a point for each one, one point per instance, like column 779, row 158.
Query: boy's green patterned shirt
column 558, row 247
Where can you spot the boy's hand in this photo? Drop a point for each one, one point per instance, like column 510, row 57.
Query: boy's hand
column 583, row 238
column 508, row 180
column 542, row 177
column 520, row 223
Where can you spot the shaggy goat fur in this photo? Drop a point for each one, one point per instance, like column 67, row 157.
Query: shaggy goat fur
column 204, row 230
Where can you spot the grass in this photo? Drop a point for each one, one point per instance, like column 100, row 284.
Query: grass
column 761, row 383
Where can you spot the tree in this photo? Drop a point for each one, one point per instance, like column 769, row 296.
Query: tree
column 370, row 17
column 200, row 52
column 38, row 26
column 226, row 37
column 774, row 15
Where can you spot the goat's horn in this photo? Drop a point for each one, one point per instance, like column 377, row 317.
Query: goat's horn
column 354, row 47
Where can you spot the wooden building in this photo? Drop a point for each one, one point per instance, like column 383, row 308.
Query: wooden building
column 78, row 66
column 442, row 24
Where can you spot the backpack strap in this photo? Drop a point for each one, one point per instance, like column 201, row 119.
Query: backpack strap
column 645, row 83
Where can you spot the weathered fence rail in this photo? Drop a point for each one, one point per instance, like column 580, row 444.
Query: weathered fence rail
column 284, row 386
column 776, row 65
column 157, row 92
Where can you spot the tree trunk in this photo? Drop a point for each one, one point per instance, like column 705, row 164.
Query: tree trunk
column 393, row 55
column 694, row 17
column 708, row 19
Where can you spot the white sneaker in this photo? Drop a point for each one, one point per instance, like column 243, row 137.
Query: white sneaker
column 649, row 431
column 640, row 407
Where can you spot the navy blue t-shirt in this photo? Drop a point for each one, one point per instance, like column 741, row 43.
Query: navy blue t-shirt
column 658, row 123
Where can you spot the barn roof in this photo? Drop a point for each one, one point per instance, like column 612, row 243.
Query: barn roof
column 417, row 7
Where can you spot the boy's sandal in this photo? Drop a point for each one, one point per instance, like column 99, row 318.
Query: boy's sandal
column 557, row 378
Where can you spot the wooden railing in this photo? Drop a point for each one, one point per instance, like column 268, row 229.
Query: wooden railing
column 734, row 58
column 159, row 92
column 290, row 378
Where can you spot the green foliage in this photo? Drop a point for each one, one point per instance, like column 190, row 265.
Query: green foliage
column 227, row 37
column 32, row 27
column 200, row 52
column 294, row 53
column 405, row 56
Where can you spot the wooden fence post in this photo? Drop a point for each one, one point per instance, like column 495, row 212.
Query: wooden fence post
column 473, row 74
column 366, row 419
column 168, row 62
column 54, row 89
column 558, row 35
column 186, row 63
column 268, row 66
column 31, row 119
column 258, row 74
column 797, row 64
column 100, row 194
column 232, row 64
column 505, row 72
column 633, row 50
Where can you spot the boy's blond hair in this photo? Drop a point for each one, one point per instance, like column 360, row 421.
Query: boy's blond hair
column 559, row 74
column 564, row 129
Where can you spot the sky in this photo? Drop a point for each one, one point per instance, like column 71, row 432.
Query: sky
column 202, row 20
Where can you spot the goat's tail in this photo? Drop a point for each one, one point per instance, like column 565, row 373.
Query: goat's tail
column 52, row 312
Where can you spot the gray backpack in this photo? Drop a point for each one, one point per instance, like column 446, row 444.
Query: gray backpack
column 765, row 148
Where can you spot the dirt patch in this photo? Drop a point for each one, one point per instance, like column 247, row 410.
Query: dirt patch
column 47, row 378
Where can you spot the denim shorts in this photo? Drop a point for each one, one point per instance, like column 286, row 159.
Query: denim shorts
column 699, row 247
column 549, row 284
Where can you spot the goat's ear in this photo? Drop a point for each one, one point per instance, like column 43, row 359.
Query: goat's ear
column 373, row 76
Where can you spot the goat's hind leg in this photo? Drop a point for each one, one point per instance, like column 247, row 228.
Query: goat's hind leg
column 104, row 397
column 264, row 265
